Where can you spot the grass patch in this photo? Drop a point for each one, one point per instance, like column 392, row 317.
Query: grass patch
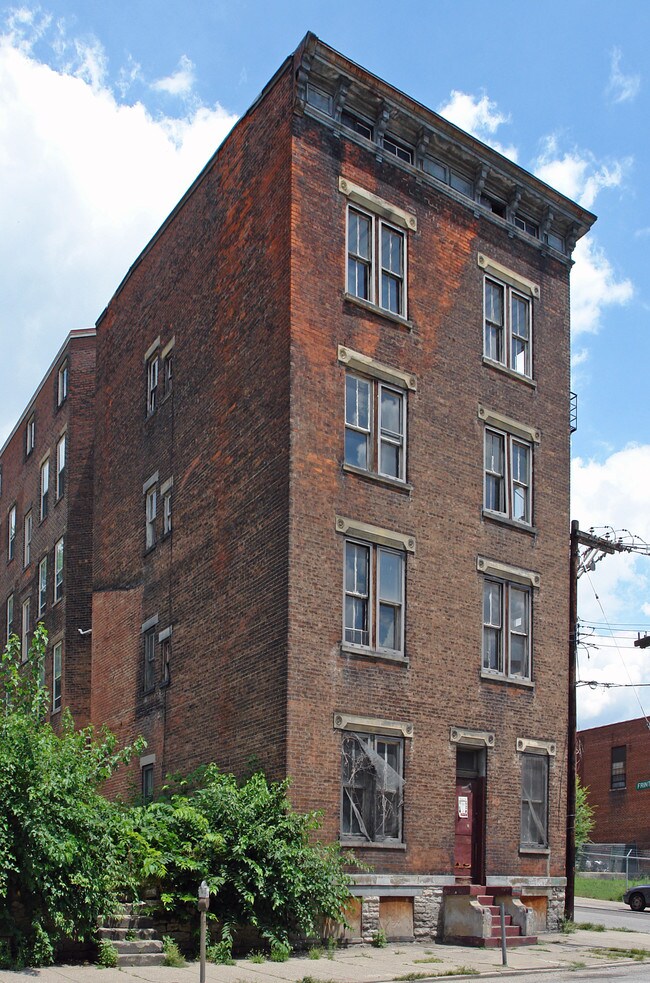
column 576, row 965
column 459, row 971
column 604, row 890
column 257, row 957
column 590, row 927
column 315, row 952
column 623, row 929
column 567, row 927
column 637, row 954
column 429, row 959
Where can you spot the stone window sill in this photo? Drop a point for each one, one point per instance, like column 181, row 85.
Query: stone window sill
column 496, row 677
column 358, row 842
column 504, row 520
column 509, row 372
column 382, row 479
column 366, row 305
column 535, row 851
column 368, row 653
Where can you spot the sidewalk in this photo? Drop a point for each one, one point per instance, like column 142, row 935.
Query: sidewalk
column 365, row 964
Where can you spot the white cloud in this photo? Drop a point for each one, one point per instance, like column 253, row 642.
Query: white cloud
column 578, row 175
column 87, row 182
column 621, row 87
column 479, row 116
column 180, row 82
column 594, row 287
column 614, row 493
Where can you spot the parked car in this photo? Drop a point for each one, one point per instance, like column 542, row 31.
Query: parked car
column 638, row 897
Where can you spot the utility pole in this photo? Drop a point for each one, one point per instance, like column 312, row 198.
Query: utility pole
column 597, row 547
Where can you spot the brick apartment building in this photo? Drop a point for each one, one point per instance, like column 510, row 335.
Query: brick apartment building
column 331, row 507
column 614, row 762
column 46, row 498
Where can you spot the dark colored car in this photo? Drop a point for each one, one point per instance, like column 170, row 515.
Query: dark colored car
column 638, row 897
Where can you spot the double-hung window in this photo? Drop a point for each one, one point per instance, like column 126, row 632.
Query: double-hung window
column 618, row 772
column 374, row 588
column 506, row 629
column 28, row 526
column 372, row 788
column 151, row 506
column 149, row 659
column 62, row 383
column 166, row 495
column 30, row 435
column 26, row 626
column 58, row 570
column 376, row 250
column 10, row 618
column 57, row 653
column 508, row 470
column 45, row 487
column 152, row 384
column 534, row 802
column 508, row 317
column 60, row 468
column 11, row 533
column 42, row 586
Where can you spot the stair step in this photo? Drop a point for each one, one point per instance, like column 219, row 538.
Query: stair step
column 511, row 931
column 141, row 959
column 143, row 945
column 487, row 900
column 125, row 934
column 511, row 941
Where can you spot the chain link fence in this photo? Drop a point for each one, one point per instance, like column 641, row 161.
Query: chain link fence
column 616, row 859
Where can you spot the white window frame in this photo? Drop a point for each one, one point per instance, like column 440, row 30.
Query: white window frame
column 377, row 271
column 62, row 383
column 373, row 599
column 377, row 435
column 499, row 622
column 26, row 617
column 376, row 785
column 151, row 510
column 153, row 364
column 42, row 586
column 30, row 435
column 11, row 533
column 45, row 488
column 166, row 490
column 57, row 676
column 59, row 556
column 149, row 664
column 9, row 612
column 61, row 450
column 508, row 481
column 28, row 529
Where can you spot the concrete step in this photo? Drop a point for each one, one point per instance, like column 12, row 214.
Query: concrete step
column 125, row 934
column 511, row 941
column 511, row 931
column 138, row 947
column 141, row 959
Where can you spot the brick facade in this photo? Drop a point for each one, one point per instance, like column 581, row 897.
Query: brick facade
column 223, row 361
column 621, row 810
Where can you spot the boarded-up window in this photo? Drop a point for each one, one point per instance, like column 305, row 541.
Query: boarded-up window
column 534, row 801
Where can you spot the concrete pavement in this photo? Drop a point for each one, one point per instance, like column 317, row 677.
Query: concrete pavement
column 365, row 964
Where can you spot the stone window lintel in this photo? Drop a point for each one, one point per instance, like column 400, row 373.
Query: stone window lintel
column 375, row 534
column 492, row 418
column 363, row 363
column 378, row 205
column 521, row 283
column 372, row 725
column 506, row 572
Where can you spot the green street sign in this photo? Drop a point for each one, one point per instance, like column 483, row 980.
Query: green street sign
column 641, row 785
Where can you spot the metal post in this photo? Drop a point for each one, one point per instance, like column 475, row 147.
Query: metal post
column 627, row 869
column 569, row 897
column 504, row 947
column 203, row 905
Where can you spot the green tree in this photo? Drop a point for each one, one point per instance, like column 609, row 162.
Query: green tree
column 584, row 815
column 63, row 846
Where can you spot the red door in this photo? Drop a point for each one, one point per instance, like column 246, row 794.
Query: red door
column 468, row 853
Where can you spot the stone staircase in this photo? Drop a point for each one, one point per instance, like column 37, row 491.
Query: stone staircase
column 471, row 916
column 134, row 937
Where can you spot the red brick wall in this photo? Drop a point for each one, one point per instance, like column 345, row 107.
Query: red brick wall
column 70, row 517
column 441, row 687
column 217, row 280
column 621, row 815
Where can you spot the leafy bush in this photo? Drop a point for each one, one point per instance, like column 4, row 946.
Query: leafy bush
column 280, row 952
column 379, row 939
column 107, row 954
column 173, row 955
column 62, row 844
column 220, row 953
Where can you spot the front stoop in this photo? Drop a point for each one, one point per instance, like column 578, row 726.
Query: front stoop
column 471, row 916
column 134, row 938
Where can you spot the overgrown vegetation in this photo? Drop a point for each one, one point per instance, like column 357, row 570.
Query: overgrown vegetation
column 602, row 888
column 68, row 855
column 584, row 815
column 62, row 844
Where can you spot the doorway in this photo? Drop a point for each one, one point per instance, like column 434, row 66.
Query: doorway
column 469, row 849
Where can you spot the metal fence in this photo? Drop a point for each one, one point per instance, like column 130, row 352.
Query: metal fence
column 615, row 859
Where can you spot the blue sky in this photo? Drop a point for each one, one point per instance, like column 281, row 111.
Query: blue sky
column 109, row 109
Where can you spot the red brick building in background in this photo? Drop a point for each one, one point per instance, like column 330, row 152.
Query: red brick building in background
column 46, row 498
column 614, row 763
column 331, row 506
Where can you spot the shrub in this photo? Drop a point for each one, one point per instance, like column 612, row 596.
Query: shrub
column 173, row 955
column 280, row 952
column 379, row 939
column 107, row 954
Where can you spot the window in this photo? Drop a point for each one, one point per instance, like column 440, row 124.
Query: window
column 507, row 475
column 619, row 762
column 357, row 124
column 375, row 427
column 45, row 487
column 507, row 327
column 10, row 618
column 374, row 621
column 58, row 571
column 26, row 627
column 149, row 660
column 400, row 150
column 321, row 100
column 526, row 225
column 62, row 383
column 28, row 526
column 11, row 533
column 42, row 586
column 147, row 783
column 376, row 262
column 165, row 642
column 372, row 788
column 534, row 801
column 150, row 517
column 57, row 652
column 166, row 492
column 30, row 435
column 506, row 629
column 60, row 468
column 557, row 242
column 448, row 176
column 152, row 385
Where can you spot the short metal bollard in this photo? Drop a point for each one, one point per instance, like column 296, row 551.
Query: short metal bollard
column 504, row 943
column 203, row 905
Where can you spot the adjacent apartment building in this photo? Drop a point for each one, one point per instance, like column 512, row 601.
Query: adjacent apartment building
column 331, row 507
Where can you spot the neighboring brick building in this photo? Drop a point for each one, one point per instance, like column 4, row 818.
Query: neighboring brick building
column 614, row 763
column 46, row 498
column 344, row 358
